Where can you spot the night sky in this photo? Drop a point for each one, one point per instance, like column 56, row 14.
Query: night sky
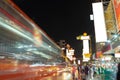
column 61, row 19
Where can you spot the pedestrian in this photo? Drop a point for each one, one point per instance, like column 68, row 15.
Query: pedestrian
column 91, row 71
column 118, row 72
column 82, row 72
column 76, row 74
column 86, row 71
column 73, row 72
column 79, row 68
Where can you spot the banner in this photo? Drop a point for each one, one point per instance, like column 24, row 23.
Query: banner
column 117, row 12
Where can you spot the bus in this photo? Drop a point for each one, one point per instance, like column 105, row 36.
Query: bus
column 26, row 51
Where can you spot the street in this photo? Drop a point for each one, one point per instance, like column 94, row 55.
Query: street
column 25, row 72
column 59, row 76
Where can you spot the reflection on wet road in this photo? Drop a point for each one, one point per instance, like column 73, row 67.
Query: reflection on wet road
column 60, row 76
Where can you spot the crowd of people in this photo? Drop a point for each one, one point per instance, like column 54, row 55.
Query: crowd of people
column 102, row 72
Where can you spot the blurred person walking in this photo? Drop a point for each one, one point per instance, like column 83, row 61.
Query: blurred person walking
column 91, row 71
column 82, row 72
column 75, row 72
column 118, row 72
column 86, row 72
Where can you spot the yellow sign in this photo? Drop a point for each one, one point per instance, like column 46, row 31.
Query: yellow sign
column 87, row 55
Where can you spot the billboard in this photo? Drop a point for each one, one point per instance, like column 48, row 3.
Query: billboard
column 86, row 52
column 70, row 53
column 117, row 12
column 85, row 46
column 99, row 22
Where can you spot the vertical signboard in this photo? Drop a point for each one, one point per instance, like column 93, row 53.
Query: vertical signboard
column 86, row 52
column 117, row 12
column 70, row 53
column 86, row 46
column 99, row 22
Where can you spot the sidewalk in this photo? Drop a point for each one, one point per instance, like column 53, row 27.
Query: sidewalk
column 97, row 77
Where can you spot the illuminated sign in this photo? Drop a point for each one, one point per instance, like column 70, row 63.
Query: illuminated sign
column 99, row 22
column 78, row 61
column 117, row 12
column 70, row 53
column 85, row 46
column 117, row 55
column 85, row 37
column 87, row 55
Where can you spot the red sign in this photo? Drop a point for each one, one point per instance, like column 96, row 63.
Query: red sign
column 117, row 12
